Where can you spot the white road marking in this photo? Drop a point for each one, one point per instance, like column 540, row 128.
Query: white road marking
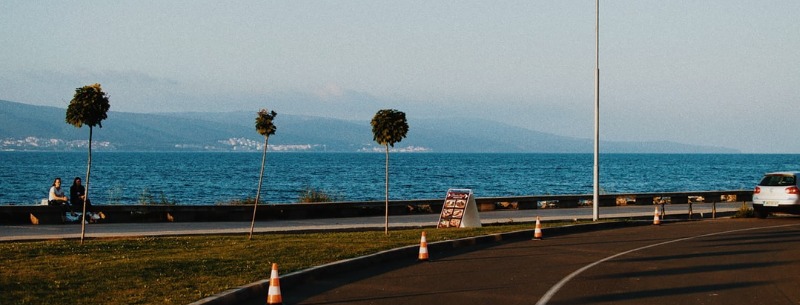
column 553, row 290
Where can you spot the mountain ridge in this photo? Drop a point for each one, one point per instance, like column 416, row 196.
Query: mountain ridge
column 235, row 131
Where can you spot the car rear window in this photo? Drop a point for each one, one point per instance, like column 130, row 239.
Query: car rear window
column 777, row 180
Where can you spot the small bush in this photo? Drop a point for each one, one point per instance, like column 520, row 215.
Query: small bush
column 166, row 201
column 246, row 201
column 310, row 195
column 146, row 198
column 744, row 212
column 115, row 194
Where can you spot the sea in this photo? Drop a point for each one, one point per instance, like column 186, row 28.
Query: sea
column 209, row 178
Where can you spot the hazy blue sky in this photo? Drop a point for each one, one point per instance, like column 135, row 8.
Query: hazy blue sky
column 710, row 72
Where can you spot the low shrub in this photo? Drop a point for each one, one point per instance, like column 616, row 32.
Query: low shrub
column 246, row 201
column 744, row 212
column 147, row 198
column 310, row 195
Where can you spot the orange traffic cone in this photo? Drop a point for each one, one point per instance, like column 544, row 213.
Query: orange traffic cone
column 656, row 220
column 537, row 232
column 274, row 294
column 423, row 248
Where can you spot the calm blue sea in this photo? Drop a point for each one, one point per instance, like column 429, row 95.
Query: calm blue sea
column 210, row 178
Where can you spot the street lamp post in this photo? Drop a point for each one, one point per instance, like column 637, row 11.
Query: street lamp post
column 596, row 167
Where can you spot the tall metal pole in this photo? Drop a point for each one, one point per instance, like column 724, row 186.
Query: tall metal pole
column 596, row 168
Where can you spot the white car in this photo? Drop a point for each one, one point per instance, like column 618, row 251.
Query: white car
column 777, row 192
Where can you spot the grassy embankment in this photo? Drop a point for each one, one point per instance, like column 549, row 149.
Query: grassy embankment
column 180, row 270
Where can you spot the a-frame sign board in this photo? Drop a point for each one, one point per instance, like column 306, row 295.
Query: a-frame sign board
column 459, row 210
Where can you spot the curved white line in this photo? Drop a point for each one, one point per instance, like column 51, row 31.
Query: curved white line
column 553, row 290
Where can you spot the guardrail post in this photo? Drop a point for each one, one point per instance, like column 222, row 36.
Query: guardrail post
column 714, row 210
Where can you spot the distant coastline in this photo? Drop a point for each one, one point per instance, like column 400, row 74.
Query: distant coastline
column 41, row 128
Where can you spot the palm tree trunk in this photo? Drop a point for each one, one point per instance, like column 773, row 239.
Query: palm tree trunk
column 258, row 192
column 86, row 194
column 386, row 225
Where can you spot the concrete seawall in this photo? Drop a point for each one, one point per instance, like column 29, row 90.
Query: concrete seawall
column 39, row 214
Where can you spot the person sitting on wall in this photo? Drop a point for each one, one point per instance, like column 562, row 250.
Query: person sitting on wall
column 56, row 196
column 77, row 194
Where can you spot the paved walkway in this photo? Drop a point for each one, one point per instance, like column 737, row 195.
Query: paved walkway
column 101, row 230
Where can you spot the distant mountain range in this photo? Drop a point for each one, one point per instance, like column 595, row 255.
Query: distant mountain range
column 41, row 128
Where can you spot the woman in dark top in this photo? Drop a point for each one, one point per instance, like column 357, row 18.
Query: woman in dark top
column 77, row 194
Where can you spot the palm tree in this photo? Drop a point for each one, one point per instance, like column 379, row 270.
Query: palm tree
column 265, row 127
column 88, row 107
column 389, row 126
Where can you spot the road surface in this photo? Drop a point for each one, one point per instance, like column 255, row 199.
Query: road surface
column 723, row 261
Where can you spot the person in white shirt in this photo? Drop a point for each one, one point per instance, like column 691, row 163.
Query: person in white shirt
column 56, row 196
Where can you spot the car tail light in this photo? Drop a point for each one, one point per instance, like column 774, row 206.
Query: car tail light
column 757, row 190
column 792, row 190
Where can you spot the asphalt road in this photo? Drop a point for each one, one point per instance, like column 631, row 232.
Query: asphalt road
column 722, row 261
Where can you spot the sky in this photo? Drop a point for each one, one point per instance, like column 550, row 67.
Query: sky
column 714, row 72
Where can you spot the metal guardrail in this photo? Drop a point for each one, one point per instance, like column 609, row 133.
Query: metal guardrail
column 27, row 214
